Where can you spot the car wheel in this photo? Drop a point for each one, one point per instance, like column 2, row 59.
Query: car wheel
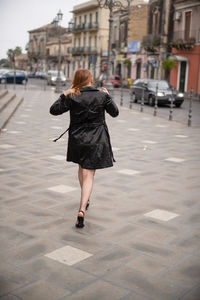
column 178, row 104
column 151, row 101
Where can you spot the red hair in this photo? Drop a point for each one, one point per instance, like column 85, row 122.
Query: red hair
column 82, row 77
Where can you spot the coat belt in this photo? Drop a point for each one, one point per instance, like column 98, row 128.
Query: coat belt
column 90, row 125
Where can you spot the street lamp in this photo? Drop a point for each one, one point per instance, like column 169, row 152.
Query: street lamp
column 55, row 22
column 111, row 4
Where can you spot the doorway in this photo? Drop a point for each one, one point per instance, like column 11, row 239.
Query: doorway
column 138, row 70
column 182, row 76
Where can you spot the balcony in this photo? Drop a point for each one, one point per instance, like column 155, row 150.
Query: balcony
column 185, row 40
column 151, row 42
column 83, row 50
column 85, row 27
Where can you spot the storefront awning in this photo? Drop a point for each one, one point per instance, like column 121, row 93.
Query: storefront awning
column 179, row 58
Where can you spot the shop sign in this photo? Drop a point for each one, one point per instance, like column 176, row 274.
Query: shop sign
column 134, row 46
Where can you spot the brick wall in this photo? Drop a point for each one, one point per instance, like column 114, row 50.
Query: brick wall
column 138, row 23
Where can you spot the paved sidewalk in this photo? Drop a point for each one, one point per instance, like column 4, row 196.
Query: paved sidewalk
column 141, row 238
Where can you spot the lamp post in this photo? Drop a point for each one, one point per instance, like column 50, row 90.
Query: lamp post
column 55, row 22
column 111, row 4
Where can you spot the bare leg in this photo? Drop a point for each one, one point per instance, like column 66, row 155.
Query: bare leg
column 80, row 176
column 86, row 179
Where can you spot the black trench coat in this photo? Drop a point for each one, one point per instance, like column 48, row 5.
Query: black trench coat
column 89, row 141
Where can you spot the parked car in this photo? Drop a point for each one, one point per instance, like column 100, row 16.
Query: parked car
column 52, row 76
column 147, row 87
column 31, row 74
column 115, row 80
column 41, row 74
column 8, row 77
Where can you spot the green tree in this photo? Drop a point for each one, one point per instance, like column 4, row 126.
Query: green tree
column 17, row 51
column 168, row 64
column 5, row 63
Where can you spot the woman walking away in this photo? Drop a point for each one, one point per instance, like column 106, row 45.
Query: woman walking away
column 89, row 142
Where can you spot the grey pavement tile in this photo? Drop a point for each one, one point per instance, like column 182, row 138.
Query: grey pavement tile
column 29, row 251
column 99, row 290
column 28, row 209
column 79, row 239
column 147, row 286
column 136, row 296
column 15, row 237
column 13, row 279
column 123, row 232
column 165, row 253
column 57, row 273
column 156, row 236
column 40, row 290
column 185, row 273
column 189, row 241
column 105, row 261
column 192, row 294
column 10, row 297
column 148, row 264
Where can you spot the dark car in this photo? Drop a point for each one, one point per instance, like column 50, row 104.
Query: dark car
column 165, row 92
column 8, row 77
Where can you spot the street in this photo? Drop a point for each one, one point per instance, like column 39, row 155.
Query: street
column 179, row 114
column 141, row 235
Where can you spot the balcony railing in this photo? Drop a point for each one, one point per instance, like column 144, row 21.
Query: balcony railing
column 151, row 42
column 187, row 35
column 83, row 50
column 185, row 40
column 85, row 26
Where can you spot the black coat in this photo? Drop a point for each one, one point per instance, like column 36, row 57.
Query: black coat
column 89, row 142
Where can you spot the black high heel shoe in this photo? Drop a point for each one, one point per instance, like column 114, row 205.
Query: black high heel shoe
column 80, row 219
column 88, row 204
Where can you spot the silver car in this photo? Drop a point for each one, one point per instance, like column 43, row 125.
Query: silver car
column 52, row 76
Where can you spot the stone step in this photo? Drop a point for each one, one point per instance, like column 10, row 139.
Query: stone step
column 9, row 110
column 5, row 100
column 3, row 93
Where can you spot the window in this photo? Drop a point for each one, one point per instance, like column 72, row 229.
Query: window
column 156, row 16
column 75, row 42
column 95, row 41
column 84, row 41
column 85, row 19
column 97, row 17
column 79, row 42
column 187, row 25
column 79, row 20
column 75, row 21
column 90, row 41
column 122, row 33
column 90, row 18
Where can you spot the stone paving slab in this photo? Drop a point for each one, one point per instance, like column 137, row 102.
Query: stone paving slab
column 142, row 227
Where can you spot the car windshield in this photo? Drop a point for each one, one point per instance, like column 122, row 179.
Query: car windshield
column 162, row 85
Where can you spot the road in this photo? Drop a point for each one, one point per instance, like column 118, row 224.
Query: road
column 179, row 114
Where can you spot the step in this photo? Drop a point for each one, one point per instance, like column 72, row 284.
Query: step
column 4, row 101
column 3, row 93
column 8, row 112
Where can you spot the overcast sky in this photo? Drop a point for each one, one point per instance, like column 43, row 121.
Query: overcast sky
column 19, row 16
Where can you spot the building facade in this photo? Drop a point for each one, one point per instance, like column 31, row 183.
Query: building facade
column 129, row 27
column 159, row 34
column 186, row 46
column 43, row 48
column 89, row 37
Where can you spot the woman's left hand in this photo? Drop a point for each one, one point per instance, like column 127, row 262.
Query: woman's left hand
column 69, row 91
